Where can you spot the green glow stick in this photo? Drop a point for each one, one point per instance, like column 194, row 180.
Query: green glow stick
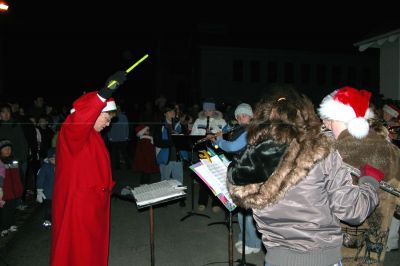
column 129, row 69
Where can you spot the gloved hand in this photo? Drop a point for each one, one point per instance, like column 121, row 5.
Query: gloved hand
column 40, row 195
column 371, row 175
column 119, row 78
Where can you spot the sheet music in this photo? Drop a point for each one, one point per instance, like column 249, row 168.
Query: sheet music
column 214, row 175
column 157, row 192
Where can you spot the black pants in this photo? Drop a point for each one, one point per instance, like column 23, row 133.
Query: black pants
column 116, row 150
column 47, row 210
column 204, row 194
column 7, row 214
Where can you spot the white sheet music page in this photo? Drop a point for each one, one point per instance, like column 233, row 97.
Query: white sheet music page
column 156, row 192
column 218, row 170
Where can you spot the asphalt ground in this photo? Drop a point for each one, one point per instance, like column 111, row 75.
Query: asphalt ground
column 176, row 243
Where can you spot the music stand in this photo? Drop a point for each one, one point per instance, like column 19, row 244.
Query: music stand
column 242, row 262
column 188, row 143
column 150, row 203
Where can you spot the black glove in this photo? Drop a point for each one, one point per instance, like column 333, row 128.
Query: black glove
column 107, row 91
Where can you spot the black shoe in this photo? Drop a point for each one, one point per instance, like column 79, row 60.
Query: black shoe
column 182, row 203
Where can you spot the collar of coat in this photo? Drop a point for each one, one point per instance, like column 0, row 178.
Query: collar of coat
column 216, row 115
column 294, row 165
column 374, row 149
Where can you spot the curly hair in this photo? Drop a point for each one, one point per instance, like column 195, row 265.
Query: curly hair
column 283, row 115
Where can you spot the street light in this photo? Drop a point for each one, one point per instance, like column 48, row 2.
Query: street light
column 3, row 6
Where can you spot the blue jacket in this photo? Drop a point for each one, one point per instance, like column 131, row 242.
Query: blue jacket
column 119, row 129
column 45, row 178
column 233, row 146
column 163, row 142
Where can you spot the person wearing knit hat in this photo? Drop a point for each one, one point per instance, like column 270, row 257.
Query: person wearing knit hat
column 233, row 145
column 347, row 108
column 5, row 143
column 11, row 188
column 209, row 122
column 80, row 219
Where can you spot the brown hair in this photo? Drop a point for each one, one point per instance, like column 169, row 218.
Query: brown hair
column 283, row 115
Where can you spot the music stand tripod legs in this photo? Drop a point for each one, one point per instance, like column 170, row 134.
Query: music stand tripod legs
column 192, row 212
column 242, row 262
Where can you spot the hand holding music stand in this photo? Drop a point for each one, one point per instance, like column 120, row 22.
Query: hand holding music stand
column 187, row 143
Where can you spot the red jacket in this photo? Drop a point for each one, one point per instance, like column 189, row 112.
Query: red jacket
column 83, row 183
column 145, row 157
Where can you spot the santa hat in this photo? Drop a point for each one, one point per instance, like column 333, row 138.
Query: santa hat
column 392, row 109
column 140, row 130
column 350, row 106
column 110, row 106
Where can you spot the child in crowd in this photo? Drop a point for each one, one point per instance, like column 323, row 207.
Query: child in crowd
column 45, row 185
column 145, row 157
column 10, row 188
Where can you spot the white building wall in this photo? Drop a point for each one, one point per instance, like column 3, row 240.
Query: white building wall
column 216, row 72
column 390, row 70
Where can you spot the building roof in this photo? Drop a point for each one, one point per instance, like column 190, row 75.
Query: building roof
column 378, row 40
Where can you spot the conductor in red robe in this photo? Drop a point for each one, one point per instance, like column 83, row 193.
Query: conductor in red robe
column 83, row 183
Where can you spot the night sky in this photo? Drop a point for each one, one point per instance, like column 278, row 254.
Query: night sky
column 66, row 49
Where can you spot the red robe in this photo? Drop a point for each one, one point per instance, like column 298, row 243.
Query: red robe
column 83, row 183
column 145, row 157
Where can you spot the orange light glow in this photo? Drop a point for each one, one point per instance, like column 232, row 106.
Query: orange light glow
column 3, row 6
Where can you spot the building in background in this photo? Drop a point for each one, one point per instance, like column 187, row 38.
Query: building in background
column 389, row 61
column 245, row 74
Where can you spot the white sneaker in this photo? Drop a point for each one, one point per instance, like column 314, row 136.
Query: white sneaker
column 392, row 248
column 4, row 233
column 248, row 250
column 13, row 228
column 239, row 244
column 46, row 224
column 22, row 207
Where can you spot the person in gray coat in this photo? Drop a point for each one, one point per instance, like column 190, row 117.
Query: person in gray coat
column 293, row 179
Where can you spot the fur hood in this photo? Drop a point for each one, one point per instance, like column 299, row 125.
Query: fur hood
column 216, row 115
column 374, row 149
column 299, row 157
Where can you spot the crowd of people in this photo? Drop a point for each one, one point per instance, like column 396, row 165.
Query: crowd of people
column 288, row 175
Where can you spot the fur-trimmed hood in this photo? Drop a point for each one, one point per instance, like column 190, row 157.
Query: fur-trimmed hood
column 293, row 166
column 374, row 149
column 216, row 115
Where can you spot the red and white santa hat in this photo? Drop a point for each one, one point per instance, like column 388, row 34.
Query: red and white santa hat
column 140, row 130
column 392, row 109
column 350, row 106
column 110, row 106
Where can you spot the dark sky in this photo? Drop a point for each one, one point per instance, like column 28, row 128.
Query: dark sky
column 71, row 47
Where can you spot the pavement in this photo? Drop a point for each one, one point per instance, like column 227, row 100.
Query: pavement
column 176, row 243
